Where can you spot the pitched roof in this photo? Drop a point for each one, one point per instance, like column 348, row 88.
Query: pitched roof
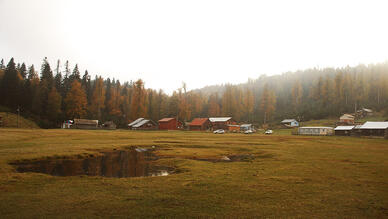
column 344, row 128
column 135, row 122
column 198, row 121
column 246, row 125
column 219, row 119
column 367, row 110
column 85, row 121
column 142, row 122
column 288, row 120
column 316, row 127
column 166, row 119
column 374, row 125
column 347, row 116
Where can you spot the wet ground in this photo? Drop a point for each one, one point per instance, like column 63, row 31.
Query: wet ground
column 135, row 162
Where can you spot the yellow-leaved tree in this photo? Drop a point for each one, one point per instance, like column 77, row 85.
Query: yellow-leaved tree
column 75, row 101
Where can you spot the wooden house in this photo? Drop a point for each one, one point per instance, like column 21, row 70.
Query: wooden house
column 84, row 124
column 222, row 122
column 347, row 119
column 372, row 129
column 364, row 112
column 200, row 124
column 134, row 122
column 343, row 130
column 170, row 124
column 233, row 128
column 315, row 131
column 290, row 123
column 145, row 124
column 246, row 127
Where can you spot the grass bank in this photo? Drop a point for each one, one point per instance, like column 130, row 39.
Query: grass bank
column 288, row 176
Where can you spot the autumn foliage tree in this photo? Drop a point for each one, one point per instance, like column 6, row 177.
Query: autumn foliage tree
column 75, row 101
column 303, row 95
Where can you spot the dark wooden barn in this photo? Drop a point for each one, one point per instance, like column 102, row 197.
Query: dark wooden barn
column 85, row 124
column 343, row 130
column 373, row 129
column 200, row 124
column 170, row 124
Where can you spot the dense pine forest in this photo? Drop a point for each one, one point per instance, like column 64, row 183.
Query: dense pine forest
column 54, row 94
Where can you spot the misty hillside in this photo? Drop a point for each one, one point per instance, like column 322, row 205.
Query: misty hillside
column 54, row 96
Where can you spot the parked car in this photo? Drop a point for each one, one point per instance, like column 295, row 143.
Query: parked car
column 219, row 131
column 268, row 132
column 248, row 132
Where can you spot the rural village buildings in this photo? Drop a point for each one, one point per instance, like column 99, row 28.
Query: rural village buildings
column 200, row 124
column 364, row 112
column 315, row 131
column 372, row 129
column 170, row 124
column 343, row 130
column 290, row 123
column 346, row 119
column 222, row 122
column 85, row 124
column 142, row 124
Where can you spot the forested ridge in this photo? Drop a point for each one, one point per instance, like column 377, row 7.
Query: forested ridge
column 54, row 94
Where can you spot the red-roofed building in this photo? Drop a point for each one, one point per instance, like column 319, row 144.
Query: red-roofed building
column 170, row 124
column 200, row 124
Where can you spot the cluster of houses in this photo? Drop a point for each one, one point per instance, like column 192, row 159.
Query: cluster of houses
column 198, row 124
column 87, row 124
column 346, row 126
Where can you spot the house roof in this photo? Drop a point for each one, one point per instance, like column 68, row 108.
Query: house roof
column 198, row 121
column 246, row 125
column 166, row 119
column 219, row 119
column 316, row 127
column 288, row 120
column 374, row 125
column 142, row 122
column 344, row 128
column 135, row 122
column 367, row 110
column 347, row 116
column 85, row 121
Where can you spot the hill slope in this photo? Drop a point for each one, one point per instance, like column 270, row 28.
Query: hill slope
column 10, row 120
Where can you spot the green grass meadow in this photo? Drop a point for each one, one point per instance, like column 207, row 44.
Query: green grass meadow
column 286, row 176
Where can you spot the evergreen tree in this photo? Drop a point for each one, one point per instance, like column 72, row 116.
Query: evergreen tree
column 23, row 71
column 86, row 85
column 11, row 85
column 76, row 75
column 2, row 66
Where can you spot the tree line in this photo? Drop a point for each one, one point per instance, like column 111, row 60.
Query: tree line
column 57, row 94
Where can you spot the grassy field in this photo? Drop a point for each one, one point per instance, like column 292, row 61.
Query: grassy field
column 286, row 176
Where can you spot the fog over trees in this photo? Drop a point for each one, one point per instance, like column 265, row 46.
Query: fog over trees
column 54, row 95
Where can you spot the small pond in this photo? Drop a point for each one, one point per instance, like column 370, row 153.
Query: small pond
column 120, row 163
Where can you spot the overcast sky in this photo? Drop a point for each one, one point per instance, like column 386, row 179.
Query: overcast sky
column 199, row 42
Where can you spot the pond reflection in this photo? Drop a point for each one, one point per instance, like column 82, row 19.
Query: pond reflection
column 122, row 163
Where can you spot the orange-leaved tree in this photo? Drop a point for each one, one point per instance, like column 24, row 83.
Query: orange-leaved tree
column 75, row 101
